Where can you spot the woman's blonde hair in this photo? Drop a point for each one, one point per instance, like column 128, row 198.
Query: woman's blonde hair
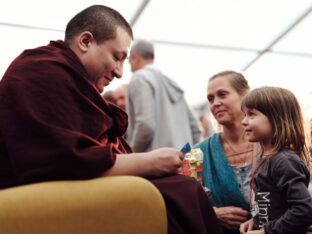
column 284, row 113
column 236, row 80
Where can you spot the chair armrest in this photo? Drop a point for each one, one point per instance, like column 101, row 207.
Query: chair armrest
column 117, row 204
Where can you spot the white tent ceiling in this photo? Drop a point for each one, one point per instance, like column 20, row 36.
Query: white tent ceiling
column 269, row 41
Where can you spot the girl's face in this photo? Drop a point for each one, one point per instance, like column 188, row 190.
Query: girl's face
column 225, row 102
column 257, row 127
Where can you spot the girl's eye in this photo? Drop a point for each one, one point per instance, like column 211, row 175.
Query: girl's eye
column 250, row 113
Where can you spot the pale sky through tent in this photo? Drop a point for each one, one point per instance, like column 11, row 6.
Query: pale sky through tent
column 193, row 38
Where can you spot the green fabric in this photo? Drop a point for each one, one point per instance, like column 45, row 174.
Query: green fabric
column 219, row 176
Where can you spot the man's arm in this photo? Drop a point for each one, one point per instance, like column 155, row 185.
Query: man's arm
column 155, row 163
column 143, row 109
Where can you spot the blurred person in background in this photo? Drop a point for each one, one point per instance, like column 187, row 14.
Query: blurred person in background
column 109, row 96
column 204, row 117
column 121, row 96
column 159, row 115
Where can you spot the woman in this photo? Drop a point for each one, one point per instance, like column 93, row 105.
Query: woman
column 228, row 155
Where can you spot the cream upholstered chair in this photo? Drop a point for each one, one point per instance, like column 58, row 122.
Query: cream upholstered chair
column 118, row 204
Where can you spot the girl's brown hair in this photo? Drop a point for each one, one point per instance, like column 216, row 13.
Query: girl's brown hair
column 284, row 113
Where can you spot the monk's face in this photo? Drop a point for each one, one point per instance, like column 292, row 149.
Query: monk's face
column 104, row 61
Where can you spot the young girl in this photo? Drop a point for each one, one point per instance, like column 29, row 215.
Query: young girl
column 280, row 200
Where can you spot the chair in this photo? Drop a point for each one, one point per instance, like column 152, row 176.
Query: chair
column 110, row 205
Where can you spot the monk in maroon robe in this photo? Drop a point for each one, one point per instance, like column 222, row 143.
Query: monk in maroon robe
column 54, row 124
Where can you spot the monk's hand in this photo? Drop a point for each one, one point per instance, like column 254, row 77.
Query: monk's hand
column 165, row 161
column 232, row 217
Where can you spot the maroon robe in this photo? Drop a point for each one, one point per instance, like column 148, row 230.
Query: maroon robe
column 54, row 125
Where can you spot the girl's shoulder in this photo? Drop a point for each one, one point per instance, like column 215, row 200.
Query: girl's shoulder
column 286, row 156
column 287, row 161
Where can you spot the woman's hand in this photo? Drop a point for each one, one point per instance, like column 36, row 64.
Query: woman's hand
column 309, row 231
column 246, row 226
column 232, row 217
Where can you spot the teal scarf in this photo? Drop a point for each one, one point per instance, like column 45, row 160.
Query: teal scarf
column 219, row 176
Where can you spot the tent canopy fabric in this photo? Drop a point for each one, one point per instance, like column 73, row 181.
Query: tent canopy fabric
column 269, row 41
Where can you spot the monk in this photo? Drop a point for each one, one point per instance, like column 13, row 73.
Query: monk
column 54, row 124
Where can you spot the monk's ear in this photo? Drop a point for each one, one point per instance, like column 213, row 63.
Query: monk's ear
column 85, row 40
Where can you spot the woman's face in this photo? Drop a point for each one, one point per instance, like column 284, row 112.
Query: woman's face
column 225, row 102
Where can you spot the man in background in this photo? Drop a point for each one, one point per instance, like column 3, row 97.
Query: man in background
column 109, row 96
column 158, row 113
column 121, row 96
column 203, row 115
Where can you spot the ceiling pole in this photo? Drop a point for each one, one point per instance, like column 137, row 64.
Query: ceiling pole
column 227, row 48
column 132, row 21
column 279, row 37
column 204, row 46
column 138, row 12
column 29, row 27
